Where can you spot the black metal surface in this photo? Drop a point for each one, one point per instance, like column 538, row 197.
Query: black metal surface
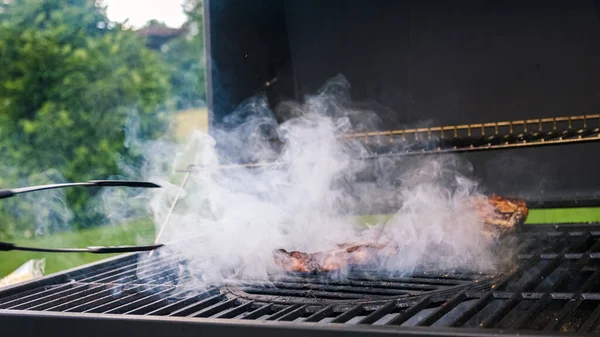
column 556, row 288
column 418, row 64
column 22, row 323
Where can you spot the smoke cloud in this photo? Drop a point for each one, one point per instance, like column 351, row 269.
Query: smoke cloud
column 229, row 221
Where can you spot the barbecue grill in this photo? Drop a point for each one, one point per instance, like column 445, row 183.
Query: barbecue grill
column 512, row 86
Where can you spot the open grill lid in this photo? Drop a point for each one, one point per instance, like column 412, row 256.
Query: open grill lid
column 464, row 76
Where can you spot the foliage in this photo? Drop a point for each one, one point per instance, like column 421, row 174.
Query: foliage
column 130, row 233
column 69, row 79
column 185, row 57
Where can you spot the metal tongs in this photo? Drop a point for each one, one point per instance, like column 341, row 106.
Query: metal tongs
column 7, row 193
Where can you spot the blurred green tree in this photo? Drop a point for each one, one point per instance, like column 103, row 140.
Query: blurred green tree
column 185, row 57
column 69, row 80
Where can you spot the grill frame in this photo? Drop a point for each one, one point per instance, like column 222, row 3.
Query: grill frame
column 220, row 313
column 22, row 323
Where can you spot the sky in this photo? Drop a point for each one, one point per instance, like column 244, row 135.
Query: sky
column 141, row 11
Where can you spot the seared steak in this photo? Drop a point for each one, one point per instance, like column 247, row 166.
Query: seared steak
column 499, row 215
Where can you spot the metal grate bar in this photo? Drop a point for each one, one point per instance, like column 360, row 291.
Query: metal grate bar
column 264, row 310
column 197, row 305
column 40, row 297
column 148, row 271
column 565, row 312
column 515, row 274
column 571, row 306
column 319, row 315
column 105, row 303
column 410, row 312
column 535, row 309
column 542, row 274
column 595, row 247
column 341, row 289
column 378, row 314
column 566, row 256
column 165, row 310
column 79, row 295
column 401, row 283
column 592, row 280
column 148, row 307
column 590, row 323
column 443, row 309
column 76, row 293
column 494, row 318
column 107, row 270
column 283, row 312
column 534, row 279
column 292, row 315
column 55, row 292
column 159, row 303
column 81, row 298
column 235, row 311
column 139, row 302
column 317, row 294
column 215, row 308
column 419, row 279
column 568, row 272
column 96, row 300
column 471, row 311
column 129, row 271
column 575, row 245
column 349, row 314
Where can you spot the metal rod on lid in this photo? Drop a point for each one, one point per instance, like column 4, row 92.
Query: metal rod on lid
column 177, row 196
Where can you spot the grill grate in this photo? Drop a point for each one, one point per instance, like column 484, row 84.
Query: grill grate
column 555, row 288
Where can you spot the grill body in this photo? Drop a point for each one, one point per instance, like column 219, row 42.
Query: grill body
column 554, row 289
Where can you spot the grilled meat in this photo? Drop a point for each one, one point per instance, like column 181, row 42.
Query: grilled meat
column 500, row 216
column 334, row 259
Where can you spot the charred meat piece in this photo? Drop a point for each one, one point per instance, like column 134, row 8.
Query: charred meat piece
column 499, row 216
column 334, row 259
column 296, row 261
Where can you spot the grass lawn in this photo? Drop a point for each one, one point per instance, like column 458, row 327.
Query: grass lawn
column 137, row 232
column 536, row 216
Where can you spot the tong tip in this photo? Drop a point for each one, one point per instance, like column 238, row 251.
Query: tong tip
column 125, row 183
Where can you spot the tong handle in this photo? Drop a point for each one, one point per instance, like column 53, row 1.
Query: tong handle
column 5, row 193
column 9, row 246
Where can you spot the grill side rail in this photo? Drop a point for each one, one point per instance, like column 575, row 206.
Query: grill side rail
column 21, row 323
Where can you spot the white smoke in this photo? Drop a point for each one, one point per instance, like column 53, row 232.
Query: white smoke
column 228, row 222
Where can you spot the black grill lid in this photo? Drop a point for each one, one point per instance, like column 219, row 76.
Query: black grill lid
column 420, row 64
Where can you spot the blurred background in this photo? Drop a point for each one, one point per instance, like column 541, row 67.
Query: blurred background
column 81, row 81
